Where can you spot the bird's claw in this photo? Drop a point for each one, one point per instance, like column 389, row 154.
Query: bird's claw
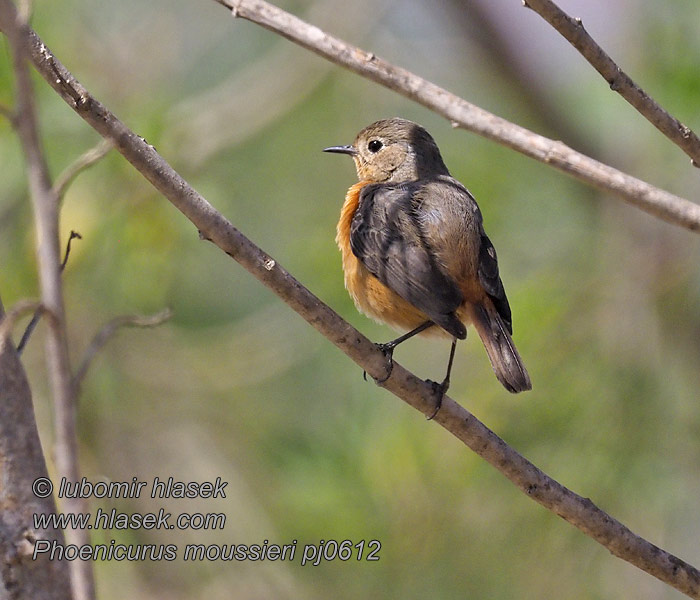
column 388, row 351
column 439, row 389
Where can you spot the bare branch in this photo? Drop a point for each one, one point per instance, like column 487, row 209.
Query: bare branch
column 74, row 235
column 111, row 328
column 37, row 314
column 22, row 463
column 83, row 162
column 461, row 113
column 580, row 512
column 10, row 318
column 24, row 10
column 573, row 30
column 45, row 206
column 31, row 326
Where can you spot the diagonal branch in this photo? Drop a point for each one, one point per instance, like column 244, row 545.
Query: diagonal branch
column 461, row 113
column 573, row 30
column 579, row 511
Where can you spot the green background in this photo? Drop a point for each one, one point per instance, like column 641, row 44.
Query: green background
column 606, row 299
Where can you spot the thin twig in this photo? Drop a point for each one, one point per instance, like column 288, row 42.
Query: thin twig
column 579, row 511
column 37, row 315
column 31, row 326
column 83, row 162
column 9, row 319
column 108, row 330
column 461, row 113
column 574, row 31
column 45, row 206
column 74, row 235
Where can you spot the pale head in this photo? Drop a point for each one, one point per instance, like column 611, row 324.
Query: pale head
column 394, row 150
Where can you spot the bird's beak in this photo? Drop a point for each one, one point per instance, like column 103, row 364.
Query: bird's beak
column 342, row 150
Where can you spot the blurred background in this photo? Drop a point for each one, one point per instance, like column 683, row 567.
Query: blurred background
column 606, row 299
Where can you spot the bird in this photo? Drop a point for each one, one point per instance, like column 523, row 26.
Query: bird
column 414, row 251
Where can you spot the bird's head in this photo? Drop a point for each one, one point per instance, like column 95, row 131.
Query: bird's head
column 394, row 150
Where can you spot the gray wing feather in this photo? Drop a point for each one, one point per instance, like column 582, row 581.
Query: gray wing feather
column 490, row 279
column 387, row 237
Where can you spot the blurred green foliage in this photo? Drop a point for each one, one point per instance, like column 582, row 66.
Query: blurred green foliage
column 606, row 301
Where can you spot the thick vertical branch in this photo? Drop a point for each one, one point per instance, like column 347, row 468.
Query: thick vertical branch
column 21, row 463
column 46, row 214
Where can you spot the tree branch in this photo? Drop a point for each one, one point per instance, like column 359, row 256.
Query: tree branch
column 111, row 328
column 74, row 235
column 573, row 30
column 21, row 463
column 580, row 512
column 45, row 206
column 20, row 309
column 461, row 113
column 83, row 162
column 39, row 311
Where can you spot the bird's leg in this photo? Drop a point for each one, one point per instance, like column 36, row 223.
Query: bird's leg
column 388, row 348
column 441, row 388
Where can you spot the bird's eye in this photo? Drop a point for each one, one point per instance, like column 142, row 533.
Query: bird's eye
column 374, row 146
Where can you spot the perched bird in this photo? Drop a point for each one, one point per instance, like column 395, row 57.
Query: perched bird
column 414, row 251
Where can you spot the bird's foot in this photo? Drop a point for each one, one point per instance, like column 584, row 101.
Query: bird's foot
column 388, row 351
column 439, row 389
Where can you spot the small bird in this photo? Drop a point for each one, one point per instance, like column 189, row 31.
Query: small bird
column 414, row 251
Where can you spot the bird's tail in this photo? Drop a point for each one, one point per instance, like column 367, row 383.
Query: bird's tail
column 504, row 357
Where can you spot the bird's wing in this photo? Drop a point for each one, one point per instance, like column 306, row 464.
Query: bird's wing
column 449, row 212
column 491, row 281
column 387, row 237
